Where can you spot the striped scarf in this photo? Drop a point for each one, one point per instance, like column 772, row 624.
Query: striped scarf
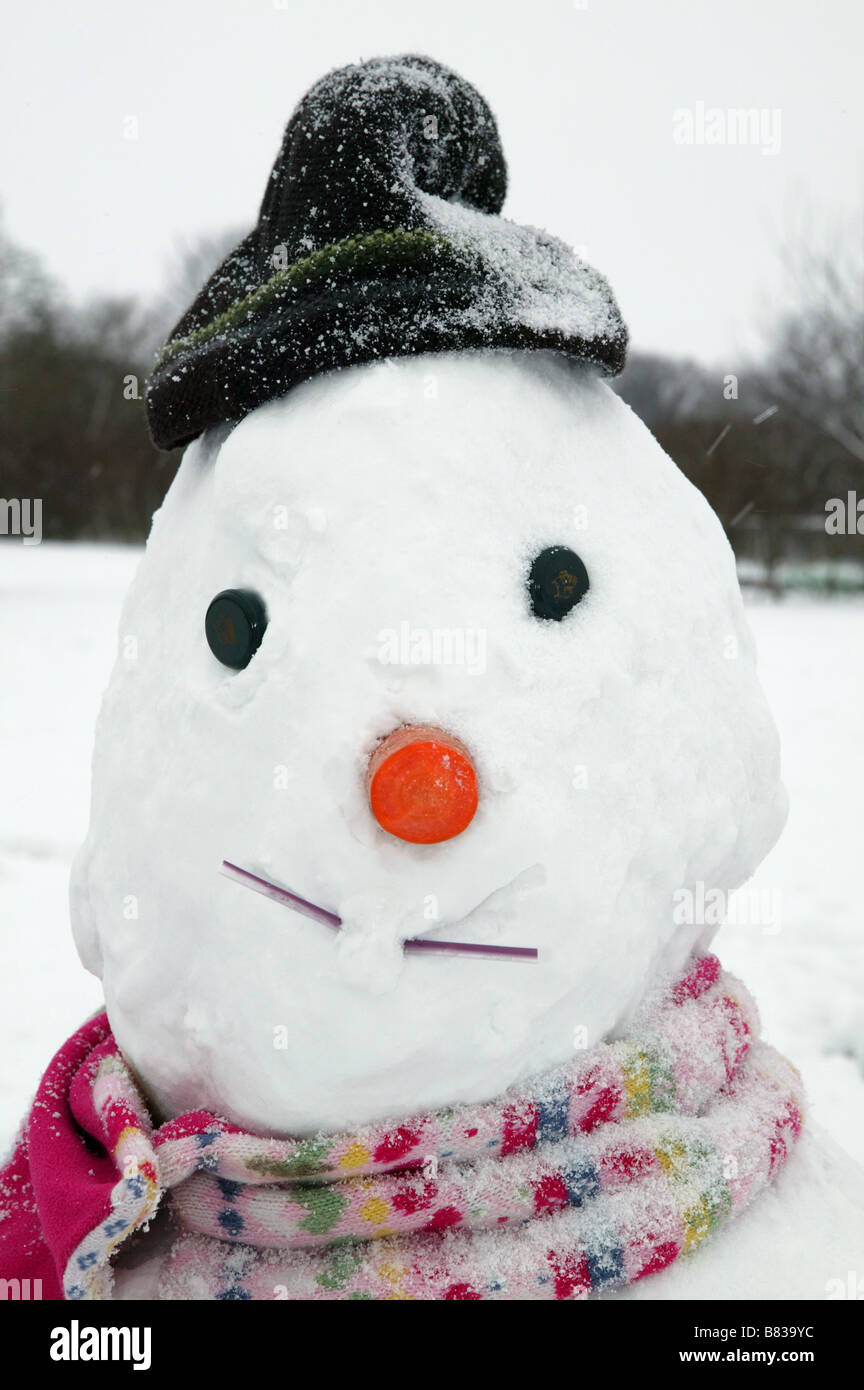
column 588, row 1178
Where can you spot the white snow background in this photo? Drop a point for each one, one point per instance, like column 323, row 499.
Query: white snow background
column 59, row 607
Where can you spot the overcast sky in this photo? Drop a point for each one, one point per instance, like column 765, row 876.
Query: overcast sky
column 585, row 95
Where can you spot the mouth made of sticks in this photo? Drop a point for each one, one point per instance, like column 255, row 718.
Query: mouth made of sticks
column 332, row 920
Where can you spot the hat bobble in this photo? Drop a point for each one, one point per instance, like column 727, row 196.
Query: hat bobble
column 378, row 236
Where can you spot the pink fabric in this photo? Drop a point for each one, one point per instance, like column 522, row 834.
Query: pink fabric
column 692, row 1110
column 55, row 1189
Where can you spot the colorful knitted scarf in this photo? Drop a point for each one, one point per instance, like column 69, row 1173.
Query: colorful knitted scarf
column 585, row 1179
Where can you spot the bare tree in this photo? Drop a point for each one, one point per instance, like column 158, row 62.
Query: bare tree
column 27, row 293
column 189, row 268
column 816, row 364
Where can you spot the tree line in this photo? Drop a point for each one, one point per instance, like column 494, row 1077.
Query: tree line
column 769, row 443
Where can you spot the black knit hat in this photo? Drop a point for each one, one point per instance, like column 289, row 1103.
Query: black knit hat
column 378, row 237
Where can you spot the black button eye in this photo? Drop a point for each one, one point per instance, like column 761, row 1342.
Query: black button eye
column 234, row 625
column 556, row 583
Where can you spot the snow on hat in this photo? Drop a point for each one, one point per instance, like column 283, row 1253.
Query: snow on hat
column 378, row 237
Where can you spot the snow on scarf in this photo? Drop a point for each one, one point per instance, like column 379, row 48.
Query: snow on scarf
column 587, row 1178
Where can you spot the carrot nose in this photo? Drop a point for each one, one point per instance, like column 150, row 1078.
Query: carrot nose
column 422, row 785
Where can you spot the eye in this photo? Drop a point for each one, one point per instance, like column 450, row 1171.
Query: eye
column 235, row 623
column 556, row 582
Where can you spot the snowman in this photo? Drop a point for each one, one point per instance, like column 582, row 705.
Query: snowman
column 435, row 689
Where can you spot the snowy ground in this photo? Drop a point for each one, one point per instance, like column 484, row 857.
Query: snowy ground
column 58, row 613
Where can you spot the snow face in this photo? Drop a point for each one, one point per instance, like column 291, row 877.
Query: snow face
column 621, row 753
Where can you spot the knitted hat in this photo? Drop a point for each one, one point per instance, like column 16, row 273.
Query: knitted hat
column 378, row 236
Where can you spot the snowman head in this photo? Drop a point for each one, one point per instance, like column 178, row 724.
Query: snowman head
column 445, row 644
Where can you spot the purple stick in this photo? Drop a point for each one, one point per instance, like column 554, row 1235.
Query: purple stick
column 470, row 948
column 330, row 919
column 280, row 895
